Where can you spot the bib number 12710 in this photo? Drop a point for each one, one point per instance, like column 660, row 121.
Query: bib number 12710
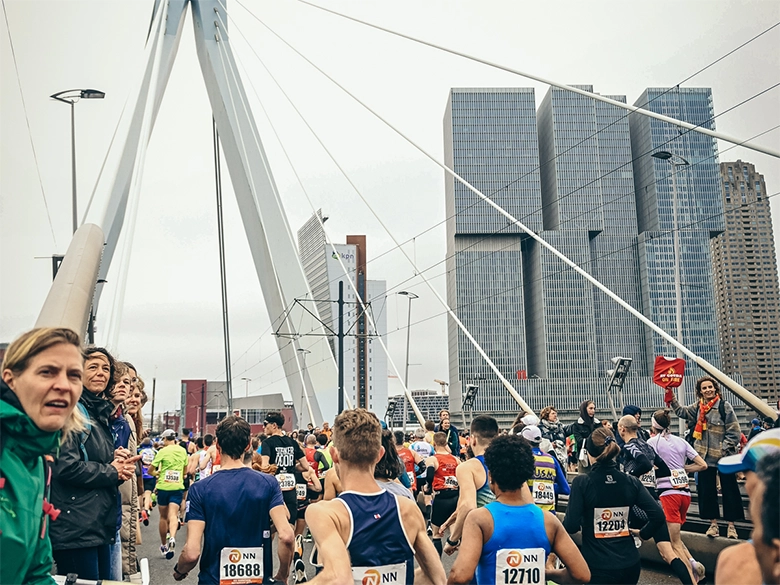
column 523, row 566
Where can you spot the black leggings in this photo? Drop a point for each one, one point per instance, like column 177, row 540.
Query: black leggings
column 607, row 576
column 708, row 496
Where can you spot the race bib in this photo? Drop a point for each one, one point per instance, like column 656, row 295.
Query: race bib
column 378, row 575
column 679, row 478
column 648, row 479
column 300, row 490
column 286, row 481
column 411, row 476
column 610, row 522
column 451, row 482
column 240, row 565
column 172, row 476
column 544, row 494
column 520, row 566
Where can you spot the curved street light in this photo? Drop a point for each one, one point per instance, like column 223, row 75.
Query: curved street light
column 411, row 296
column 71, row 96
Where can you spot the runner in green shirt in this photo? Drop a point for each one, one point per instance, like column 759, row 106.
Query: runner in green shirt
column 169, row 467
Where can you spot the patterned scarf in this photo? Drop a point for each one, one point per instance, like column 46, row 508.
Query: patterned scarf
column 701, row 422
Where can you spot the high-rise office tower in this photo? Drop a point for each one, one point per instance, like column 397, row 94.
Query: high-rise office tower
column 691, row 177
column 746, row 283
column 365, row 362
column 490, row 140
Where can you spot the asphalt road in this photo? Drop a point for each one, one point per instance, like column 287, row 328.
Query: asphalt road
column 161, row 570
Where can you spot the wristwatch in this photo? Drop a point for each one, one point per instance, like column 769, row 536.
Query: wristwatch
column 457, row 543
column 176, row 570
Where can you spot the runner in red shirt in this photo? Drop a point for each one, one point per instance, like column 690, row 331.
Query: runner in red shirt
column 441, row 479
column 410, row 460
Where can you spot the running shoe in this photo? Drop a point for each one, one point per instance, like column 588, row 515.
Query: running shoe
column 298, row 553
column 164, row 551
column 299, row 571
column 713, row 531
column 171, row 548
column 145, row 517
column 732, row 532
column 429, row 530
column 307, row 537
column 699, row 572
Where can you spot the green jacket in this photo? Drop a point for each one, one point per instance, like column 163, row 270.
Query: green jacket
column 25, row 548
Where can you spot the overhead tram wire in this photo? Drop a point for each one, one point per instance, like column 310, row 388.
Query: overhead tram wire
column 478, row 200
column 638, row 315
column 27, row 121
column 550, row 82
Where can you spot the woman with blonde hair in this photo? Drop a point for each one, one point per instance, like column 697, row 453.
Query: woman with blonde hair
column 40, row 387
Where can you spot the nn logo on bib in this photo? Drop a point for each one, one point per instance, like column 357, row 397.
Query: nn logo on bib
column 235, row 556
column 374, row 577
column 606, row 515
column 515, row 558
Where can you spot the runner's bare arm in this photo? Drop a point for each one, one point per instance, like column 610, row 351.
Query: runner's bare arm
column 190, row 554
column 698, row 465
column 576, row 569
column 279, row 516
column 311, row 475
column 424, row 551
column 471, row 548
column 324, row 524
column 153, row 471
column 266, row 460
column 467, row 501
column 332, row 485
column 304, row 463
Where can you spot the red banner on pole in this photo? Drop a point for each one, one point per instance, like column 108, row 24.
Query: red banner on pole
column 668, row 373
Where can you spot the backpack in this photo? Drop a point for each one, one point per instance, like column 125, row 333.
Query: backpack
column 692, row 424
column 84, row 435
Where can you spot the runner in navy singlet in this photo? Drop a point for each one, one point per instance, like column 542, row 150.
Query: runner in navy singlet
column 368, row 534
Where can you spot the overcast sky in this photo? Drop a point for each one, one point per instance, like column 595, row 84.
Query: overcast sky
column 171, row 321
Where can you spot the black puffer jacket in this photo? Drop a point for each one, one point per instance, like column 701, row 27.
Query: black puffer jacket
column 85, row 492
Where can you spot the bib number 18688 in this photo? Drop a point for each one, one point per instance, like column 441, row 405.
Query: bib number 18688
column 240, row 565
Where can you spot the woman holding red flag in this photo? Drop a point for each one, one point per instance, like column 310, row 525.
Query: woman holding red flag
column 715, row 433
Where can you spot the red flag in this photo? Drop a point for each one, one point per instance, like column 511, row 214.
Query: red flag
column 668, row 373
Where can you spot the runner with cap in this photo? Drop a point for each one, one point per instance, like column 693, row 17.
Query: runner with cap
column 368, row 534
column 549, row 480
column 169, row 466
column 473, row 482
column 230, row 515
column 441, row 481
column 492, row 545
column 424, row 449
column 756, row 562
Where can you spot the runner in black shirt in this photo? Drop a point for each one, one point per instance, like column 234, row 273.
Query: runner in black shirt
column 285, row 453
column 599, row 504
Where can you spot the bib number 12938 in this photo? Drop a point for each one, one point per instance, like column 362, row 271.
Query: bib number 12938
column 523, row 566
column 240, row 565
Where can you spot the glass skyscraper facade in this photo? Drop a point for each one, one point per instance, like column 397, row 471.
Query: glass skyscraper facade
column 697, row 188
column 579, row 173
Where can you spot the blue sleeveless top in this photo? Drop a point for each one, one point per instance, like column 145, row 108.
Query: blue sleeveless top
column 484, row 494
column 377, row 537
column 506, row 520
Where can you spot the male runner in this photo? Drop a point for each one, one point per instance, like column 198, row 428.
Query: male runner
column 206, row 462
column 368, row 534
column 283, row 452
column 472, row 477
column 147, row 454
column 548, row 480
column 409, row 458
column 424, row 449
column 316, row 457
column 229, row 512
column 442, row 481
column 169, row 466
column 495, row 548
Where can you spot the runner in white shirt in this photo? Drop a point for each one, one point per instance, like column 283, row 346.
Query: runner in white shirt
column 674, row 492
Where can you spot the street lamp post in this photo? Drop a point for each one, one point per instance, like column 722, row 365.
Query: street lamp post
column 669, row 157
column 304, row 353
column 71, row 96
column 246, row 387
column 411, row 296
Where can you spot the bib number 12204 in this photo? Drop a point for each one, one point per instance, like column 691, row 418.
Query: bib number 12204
column 523, row 566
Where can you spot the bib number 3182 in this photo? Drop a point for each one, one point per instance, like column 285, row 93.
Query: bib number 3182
column 240, row 565
column 520, row 566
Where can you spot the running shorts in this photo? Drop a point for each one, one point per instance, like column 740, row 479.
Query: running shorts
column 291, row 501
column 675, row 507
column 165, row 497
column 444, row 504
column 149, row 484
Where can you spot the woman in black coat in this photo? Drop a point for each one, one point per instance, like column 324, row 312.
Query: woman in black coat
column 582, row 429
column 85, row 480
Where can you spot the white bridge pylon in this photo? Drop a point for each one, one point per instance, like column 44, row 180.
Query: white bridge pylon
column 271, row 242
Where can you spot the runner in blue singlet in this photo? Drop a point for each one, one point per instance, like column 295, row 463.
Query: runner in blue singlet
column 367, row 534
column 494, row 548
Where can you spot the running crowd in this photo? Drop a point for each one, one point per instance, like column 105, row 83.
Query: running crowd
column 78, row 475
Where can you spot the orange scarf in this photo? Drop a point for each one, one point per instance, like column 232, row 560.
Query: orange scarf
column 701, row 422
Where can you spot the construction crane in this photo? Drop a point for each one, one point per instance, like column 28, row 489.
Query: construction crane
column 443, row 386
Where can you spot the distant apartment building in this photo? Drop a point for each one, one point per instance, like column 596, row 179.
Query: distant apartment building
column 365, row 362
column 746, row 284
